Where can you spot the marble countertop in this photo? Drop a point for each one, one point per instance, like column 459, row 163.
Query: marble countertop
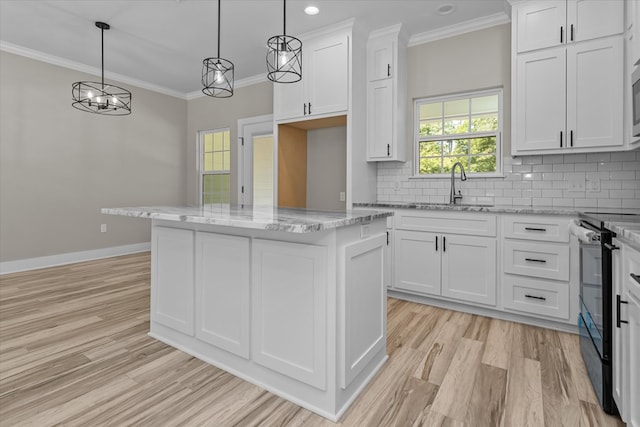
column 546, row 210
column 628, row 230
column 259, row 217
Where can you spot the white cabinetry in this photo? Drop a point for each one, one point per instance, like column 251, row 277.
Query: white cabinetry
column 543, row 24
column 626, row 332
column 536, row 261
column 172, row 263
column 291, row 340
column 388, row 255
column 324, row 88
column 386, row 95
column 222, row 291
column 451, row 255
column 567, row 76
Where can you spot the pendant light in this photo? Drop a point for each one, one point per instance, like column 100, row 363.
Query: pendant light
column 98, row 98
column 217, row 73
column 284, row 58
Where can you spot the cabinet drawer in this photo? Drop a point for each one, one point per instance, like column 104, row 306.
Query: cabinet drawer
column 547, row 261
column 535, row 296
column 477, row 224
column 536, row 228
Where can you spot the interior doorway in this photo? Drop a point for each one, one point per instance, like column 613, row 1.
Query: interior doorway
column 256, row 161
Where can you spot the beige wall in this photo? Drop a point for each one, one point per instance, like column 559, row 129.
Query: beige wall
column 471, row 61
column 326, row 167
column 205, row 113
column 59, row 165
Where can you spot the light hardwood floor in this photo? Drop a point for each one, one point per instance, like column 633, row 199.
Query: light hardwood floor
column 74, row 351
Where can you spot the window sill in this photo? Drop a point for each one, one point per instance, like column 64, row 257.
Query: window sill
column 469, row 176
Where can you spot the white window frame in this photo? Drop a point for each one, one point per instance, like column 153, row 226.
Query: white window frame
column 462, row 95
column 200, row 161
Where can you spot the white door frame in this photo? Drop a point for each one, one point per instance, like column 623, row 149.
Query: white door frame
column 247, row 128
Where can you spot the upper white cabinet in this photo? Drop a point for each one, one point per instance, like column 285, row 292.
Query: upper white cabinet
column 386, row 95
column 549, row 23
column 568, row 68
column 324, row 88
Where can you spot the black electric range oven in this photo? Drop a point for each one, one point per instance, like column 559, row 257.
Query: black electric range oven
column 595, row 322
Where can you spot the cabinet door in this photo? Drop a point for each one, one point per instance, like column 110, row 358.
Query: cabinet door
column 417, row 266
column 289, row 309
column 380, row 59
column 620, row 334
column 222, row 291
column 327, row 74
column 540, row 101
column 172, row 278
column 469, row 268
column 541, row 24
column 633, row 362
column 289, row 99
column 590, row 19
column 380, row 119
column 594, row 93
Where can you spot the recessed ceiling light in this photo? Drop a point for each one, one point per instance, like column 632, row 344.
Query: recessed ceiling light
column 311, row 10
column 445, row 9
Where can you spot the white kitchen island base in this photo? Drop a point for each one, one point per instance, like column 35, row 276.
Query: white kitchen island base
column 301, row 314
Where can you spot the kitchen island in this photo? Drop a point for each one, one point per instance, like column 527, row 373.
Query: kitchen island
column 291, row 300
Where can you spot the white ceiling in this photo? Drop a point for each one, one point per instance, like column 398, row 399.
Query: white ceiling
column 163, row 42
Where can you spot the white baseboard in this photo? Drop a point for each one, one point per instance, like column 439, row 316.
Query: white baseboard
column 16, row 266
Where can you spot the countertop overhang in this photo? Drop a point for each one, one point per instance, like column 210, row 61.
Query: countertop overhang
column 290, row 220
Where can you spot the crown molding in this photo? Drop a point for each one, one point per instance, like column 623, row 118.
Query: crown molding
column 77, row 66
column 462, row 28
column 238, row 84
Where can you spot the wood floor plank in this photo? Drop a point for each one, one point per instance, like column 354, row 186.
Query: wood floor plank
column 523, row 406
column 74, row 351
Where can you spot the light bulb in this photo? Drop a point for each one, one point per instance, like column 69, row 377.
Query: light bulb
column 218, row 76
column 98, row 100
column 114, row 100
column 284, row 56
column 90, row 95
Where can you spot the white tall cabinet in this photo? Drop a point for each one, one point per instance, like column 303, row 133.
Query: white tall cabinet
column 567, row 74
column 387, row 95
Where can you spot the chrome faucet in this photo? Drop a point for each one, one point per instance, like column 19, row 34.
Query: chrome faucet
column 463, row 177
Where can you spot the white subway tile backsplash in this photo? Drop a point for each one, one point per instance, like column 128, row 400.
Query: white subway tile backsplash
column 529, row 181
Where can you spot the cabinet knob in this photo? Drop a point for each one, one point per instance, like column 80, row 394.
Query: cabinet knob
column 388, row 70
column 305, row 108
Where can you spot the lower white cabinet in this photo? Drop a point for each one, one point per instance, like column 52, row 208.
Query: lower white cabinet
column 388, row 260
column 620, row 343
column 289, row 316
column 222, row 291
column 172, row 270
column 454, row 266
column 633, row 361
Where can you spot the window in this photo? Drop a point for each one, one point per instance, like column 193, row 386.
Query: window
column 215, row 163
column 463, row 128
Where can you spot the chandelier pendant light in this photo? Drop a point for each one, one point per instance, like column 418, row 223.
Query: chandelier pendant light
column 284, row 57
column 98, row 98
column 217, row 73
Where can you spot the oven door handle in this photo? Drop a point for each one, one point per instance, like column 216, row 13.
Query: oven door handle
column 610, row 246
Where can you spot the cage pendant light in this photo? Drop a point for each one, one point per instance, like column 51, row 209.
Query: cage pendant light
column 217, row 73
column 284, row 57
column 99, row 98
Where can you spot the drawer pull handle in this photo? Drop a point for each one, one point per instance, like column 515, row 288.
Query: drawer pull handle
column 635, row 277
column 535, row 297
column 618, row 302
column 535, row 229
column 535, row 260
column 436, row 243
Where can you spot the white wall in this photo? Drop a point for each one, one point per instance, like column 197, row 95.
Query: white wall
column 326, row 168
column 59, row 166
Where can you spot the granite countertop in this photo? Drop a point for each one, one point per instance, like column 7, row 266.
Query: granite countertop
column 628, row 230
column 259, row 217
column 546, row 210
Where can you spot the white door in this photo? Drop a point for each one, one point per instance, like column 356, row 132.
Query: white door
column 417, row 266
column 328, row 75
column 590, row 19
column 541, row 24
column 256, row 161
column 634, row 356
column 540, row 101
column 380, row 128
column 594, row 93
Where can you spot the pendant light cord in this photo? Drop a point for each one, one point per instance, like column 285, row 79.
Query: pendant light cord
column 218, row 28
column 284, row 21
column 102, row 39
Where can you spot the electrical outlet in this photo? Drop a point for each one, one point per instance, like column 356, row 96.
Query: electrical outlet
column 593, row 185
column 576, row 183
column 364, row 231
column 343, row 196
column 103, row 228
